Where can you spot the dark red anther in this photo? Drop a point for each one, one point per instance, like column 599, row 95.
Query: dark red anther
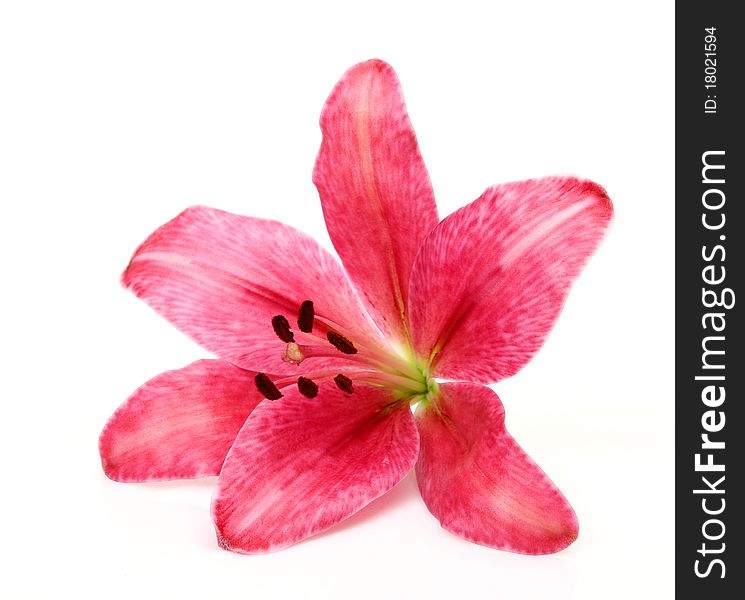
column 344, row 383
column 305, row 316
column 282, row 329
column 307, row 387
column 266, row 387
column 342, row 344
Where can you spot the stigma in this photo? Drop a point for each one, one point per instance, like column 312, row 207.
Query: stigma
column 293, row 354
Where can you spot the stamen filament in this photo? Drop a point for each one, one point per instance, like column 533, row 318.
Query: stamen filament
column 383, row 353
column 387, row 366
column 395, row 381
column 328, row 351
column 292, row 380
column 401, row 369
column 369, row 377
column 387, row 361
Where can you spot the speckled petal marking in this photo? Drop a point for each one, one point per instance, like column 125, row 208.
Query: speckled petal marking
column 375, row 190
column 478, row 481
column 180, row 424
column 492, row 278
column 301, row 465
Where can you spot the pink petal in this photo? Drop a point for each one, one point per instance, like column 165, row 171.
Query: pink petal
column 180, row 424
column 301, row 465
column 492, row 278
column 480, row 484
column 375, row 191
column 221, row 277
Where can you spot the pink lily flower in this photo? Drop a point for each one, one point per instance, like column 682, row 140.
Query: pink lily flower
column 306, row 414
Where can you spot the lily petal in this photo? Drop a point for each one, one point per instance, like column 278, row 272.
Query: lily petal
column 492, row 278
column 480, row 484
column 375, row 191
column 221, row 277
column 180, row 424
column 301, row 465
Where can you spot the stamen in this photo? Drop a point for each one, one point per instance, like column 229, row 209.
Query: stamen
column 266, row 387
column 344, row 383
column 305, row 316
column 342, row 344
column 293, row 354
column 282, row 329
column 376, row 356
column 307, row 387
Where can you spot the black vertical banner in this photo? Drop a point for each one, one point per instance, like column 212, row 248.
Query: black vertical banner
column 710, row 301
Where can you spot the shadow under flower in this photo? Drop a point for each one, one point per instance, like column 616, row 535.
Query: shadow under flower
column 200, row 483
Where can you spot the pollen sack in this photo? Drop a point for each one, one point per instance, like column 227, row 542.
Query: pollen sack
column 295, row 353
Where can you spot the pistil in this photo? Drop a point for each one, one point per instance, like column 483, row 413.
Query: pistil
column 380, row 367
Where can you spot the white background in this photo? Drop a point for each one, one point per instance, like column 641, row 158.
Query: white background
column 116, row 116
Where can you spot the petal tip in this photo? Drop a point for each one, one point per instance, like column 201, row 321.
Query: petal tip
column 561, row 541
column 373, row 65
column 604, row 203
column 603, row 206
column 191, row 213
column 564, row 535
column 223, row 541
column 109, row 467
column 113, row 472
column 241, row 544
